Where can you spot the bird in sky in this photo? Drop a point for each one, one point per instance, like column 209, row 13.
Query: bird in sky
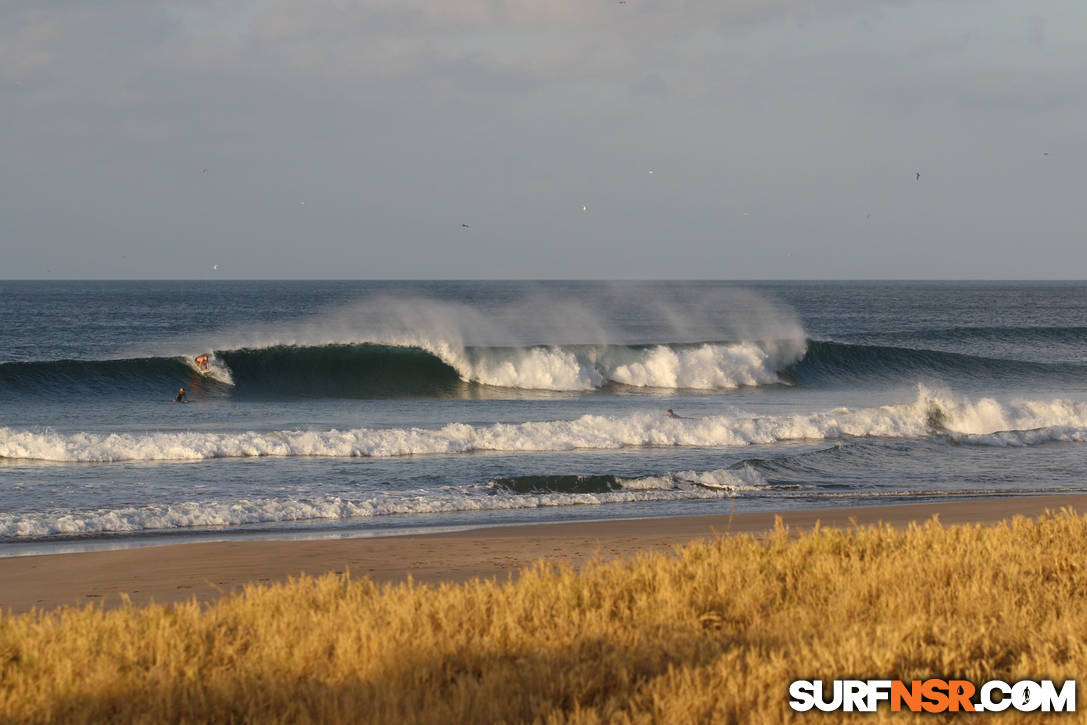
column 918, row 175
column 465, row 226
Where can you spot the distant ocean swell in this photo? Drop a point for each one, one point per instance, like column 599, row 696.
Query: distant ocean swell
column 831, row 361
column 366, row 370
column 982, row 422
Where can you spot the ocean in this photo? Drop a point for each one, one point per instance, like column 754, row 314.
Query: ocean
column 359, row 408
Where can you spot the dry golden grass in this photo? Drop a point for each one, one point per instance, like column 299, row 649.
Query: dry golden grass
column 711, row 633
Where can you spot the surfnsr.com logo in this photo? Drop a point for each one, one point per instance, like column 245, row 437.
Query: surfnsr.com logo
column 932, row 695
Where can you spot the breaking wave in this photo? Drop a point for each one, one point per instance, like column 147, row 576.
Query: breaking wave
column 981, row 422
column 378, row 370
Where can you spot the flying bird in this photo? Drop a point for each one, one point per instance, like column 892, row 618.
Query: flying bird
column 465, row 226
column 918, row 175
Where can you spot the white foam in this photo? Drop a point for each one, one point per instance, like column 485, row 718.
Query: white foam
column 709, row 366
column 537, row 368
column 217, row 369
column 184, row 515
column 1021, row 438
column 973, row 422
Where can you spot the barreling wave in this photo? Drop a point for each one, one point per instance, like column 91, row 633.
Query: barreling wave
column 429, row 369
column 981, row 422
column 438, row 368
column 364, row 370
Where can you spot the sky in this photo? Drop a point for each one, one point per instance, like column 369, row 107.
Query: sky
column 690, row 139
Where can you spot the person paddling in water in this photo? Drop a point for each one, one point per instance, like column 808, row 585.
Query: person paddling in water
column 180, row 398
column 671, row 414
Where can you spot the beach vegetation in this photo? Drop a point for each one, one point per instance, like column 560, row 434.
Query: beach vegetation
column 712, row 632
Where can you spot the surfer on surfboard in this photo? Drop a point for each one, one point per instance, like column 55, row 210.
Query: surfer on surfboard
column 202, row 363
column 180, row 397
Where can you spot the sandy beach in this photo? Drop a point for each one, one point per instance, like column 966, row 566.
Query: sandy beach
column 206, row 571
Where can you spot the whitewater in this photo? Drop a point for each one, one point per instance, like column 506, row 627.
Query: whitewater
column 363, row 408
column 984, row 422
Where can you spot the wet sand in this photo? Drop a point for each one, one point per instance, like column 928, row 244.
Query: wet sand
column 206, row 571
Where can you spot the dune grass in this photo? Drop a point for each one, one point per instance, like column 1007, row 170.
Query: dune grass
column 713, row 632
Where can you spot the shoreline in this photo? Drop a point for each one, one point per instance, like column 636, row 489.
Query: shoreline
column 206, row 571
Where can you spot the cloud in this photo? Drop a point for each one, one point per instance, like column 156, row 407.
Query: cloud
column 381, row 38
column 391, row 117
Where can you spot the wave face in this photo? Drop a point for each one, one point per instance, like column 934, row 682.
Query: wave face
column 100, row 377
column 341, row 371
column 982, row 422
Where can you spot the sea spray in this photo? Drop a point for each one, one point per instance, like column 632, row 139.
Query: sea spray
column 720, row 339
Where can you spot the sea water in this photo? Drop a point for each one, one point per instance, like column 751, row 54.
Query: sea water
column 372, row 408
